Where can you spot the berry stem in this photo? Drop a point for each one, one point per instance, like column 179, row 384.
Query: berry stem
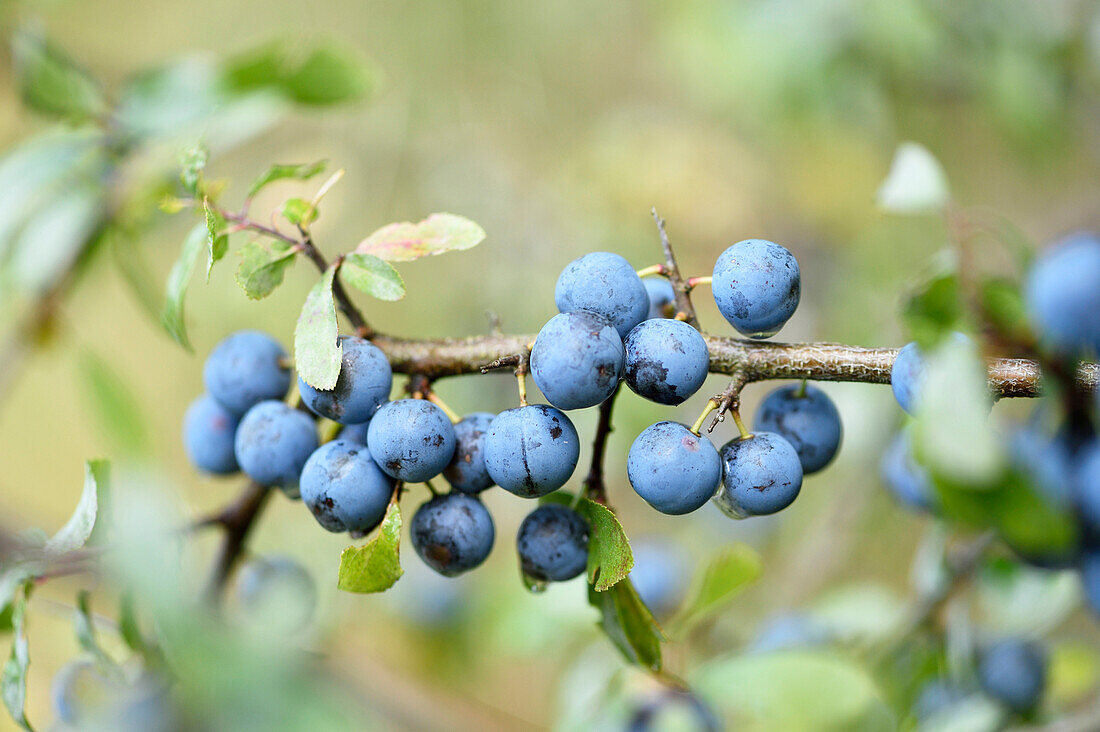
column 693, row 282
column 710, row 407
column 651, row 270
column 741, row 428
column 594, row 486
column 801, row 393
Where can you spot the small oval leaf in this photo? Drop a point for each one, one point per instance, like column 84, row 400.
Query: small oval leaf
column 406, row 241
column 374, row 276
column 609, row 556
column 317, row 352
column 375, row 566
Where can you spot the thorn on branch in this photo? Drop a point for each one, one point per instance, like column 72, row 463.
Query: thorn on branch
column 502, row 362
column 730, row 399
column 680, row 287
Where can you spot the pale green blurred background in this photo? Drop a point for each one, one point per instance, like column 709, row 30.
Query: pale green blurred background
column 556, row 126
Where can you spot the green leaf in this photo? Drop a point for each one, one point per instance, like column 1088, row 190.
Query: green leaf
column 725, row 574
column 192, row 164
column 79, row 527
column 262, row 268
column 1003, row 305
column 84, row 626
column 128, row 626
column 375, row 566
column 299, row 212
column 406, row 241
column 1016, row 599
column 374, row 276
column 13, row 683
column 327, row 76
column 933, row 311
column 171, row 316
column 51, row 83
column 119, row 414
column 794, row 690
column 317, row 350
column 55, row 238
column 609, row 557
column 629, row 624
column 217, row 241
column 303, row 171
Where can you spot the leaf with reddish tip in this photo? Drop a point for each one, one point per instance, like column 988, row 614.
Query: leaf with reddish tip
column 406, row 241
column 375, row 566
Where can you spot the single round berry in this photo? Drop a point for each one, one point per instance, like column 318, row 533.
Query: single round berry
column 356, row 433
column 208, row 432
column 274, row 442
column 553, row 544
column 906, row 374
column 577, row 359
column 604, row 283
column 675, row 470
column 467, row 472
column 807, row 418
column 1062, row 294
column 1047, row 462
column 761, row 475
column 453, row 533
column 363, row 385
column 908, row 481
column 672, row 709
column 756, row 286
column 245, row 369
column 1014, row 671
column 1087, row 484
column 531, row 451
column 666, row 361
column 344, row 488
column 411, row 439
column 660, row 575
column 277, row 590
column 662, row 298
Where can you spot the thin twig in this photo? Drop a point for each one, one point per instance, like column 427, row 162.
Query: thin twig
column 354, row 315
column 237, row 520
column 594, row 486
column 679, row 285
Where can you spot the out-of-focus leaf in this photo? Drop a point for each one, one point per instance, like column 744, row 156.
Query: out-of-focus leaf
column 301, row 171
column 79, row 527
column 373, row 276
column 916, row 183
column 934, row 310
column 406, row 241
column 192, row 164
column 119, row 414
column 794, row 690
column 216, row 240
column 171, row 316
column 609, row 557
column 130, row 260
column 725, row 574
column 13, row 683
column 321, row 76
column 172, row 102
column 31, row 174
column 262, row 268
column 57, row 235
column 375, row 566
column 1074, row 673
column 1004, row 306
column 952, row 434
column 317, row 352
column 51, row 82
column 859, row 612
column 299, row 212
column 1018, row 600
column 629, row 624
column 84, row 626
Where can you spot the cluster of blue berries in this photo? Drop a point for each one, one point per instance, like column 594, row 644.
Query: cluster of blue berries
column 1058, row 451
column 612, row 328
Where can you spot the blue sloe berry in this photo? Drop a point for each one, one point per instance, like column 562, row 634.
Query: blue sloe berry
column 661, row 573
column 344, row 488
column 675, row 470
column 467, row 472
column 756, row 286
column 363, row 385
column 666, row 361
column 274, row 442
column 1062, row 294
column 577, row 359
column 246, row 368
column 906, row 479
column 453, row 533
column 208, row 433
column 553, row 543
column 531, row 451
column 1013, row 671
column 661, row 296
column 807, row 418
column 604, row 283
column 761, row 475
column 411, row 439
